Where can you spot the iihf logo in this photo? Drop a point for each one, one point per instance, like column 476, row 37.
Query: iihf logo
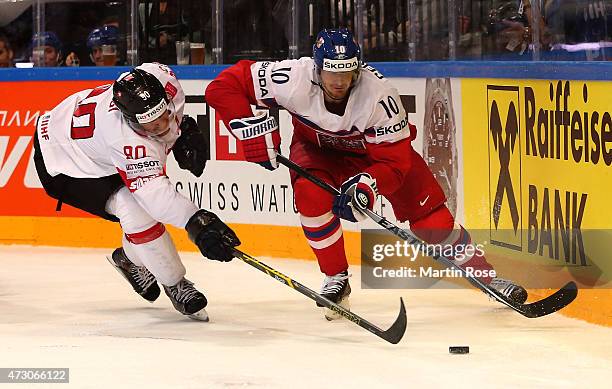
column 505, row 165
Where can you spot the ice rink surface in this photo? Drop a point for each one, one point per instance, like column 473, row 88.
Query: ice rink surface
column 64, row 307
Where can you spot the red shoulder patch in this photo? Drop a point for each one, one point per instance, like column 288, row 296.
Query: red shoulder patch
column 170, row 90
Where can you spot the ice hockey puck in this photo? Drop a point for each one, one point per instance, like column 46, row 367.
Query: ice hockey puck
column 459, row 349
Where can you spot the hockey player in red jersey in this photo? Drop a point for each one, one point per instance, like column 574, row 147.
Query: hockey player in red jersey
column 104, row 151
column 349, row 129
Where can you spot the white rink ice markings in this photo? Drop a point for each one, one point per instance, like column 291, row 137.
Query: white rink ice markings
column 65, row 307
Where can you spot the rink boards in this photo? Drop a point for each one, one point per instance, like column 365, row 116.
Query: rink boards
column 524, row 162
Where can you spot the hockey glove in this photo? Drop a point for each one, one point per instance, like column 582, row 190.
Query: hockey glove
column 213, row 237
column 191, row 148
column 260, row 139
column 357, row 194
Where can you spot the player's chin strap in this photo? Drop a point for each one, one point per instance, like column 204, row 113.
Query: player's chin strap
column 543, row 307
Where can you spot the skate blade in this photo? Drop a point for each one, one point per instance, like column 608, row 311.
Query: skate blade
column 200, row 315
column 331, row 315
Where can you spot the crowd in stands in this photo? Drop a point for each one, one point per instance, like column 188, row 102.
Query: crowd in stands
column 96, row 33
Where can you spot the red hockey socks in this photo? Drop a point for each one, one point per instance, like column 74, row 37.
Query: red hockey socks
column 322, row 228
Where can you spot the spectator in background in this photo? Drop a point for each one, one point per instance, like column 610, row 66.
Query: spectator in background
column 105, row 35
column 19, row 32
column 163, row 26
column 251, row 33
column 509, row 29
column 581, row 29
column 46, row 49
column 6, row 52
column 165, row 22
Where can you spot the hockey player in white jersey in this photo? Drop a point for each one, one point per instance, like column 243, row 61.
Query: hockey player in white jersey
column 350, row 130
column 104, row 150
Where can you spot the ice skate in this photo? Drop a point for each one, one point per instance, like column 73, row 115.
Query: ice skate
column 187, row 300
column 336, row 288
column 139, row 277
column 513, row 292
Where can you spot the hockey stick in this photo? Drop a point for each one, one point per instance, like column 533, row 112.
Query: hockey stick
column 546, row 306
column 392, row 335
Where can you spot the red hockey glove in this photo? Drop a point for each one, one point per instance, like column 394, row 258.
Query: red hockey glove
column 260, row 139
column 357, row 194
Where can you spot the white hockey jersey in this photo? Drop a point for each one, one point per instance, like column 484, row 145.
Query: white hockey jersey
column 374, row 123
column 86, row 136
column 374, row 113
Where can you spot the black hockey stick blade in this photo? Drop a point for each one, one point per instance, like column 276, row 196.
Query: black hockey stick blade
column 395, row 333
column 550, row 304
column 392, row 335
